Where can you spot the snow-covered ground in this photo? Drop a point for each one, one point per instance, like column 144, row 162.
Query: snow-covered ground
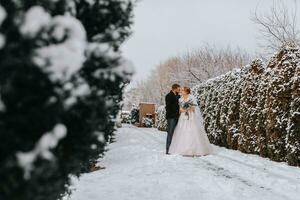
column 138, row 169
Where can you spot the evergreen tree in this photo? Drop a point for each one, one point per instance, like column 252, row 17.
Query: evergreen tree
column 278, row 100
column 232, row 98
column 293, row 128
column 161, row 121
column 134, row 114
column 248, row 109
column 61, row 81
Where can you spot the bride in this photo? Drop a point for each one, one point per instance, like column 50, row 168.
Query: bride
column 190, row 138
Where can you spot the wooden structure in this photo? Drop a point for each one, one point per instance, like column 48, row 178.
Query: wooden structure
column 146, row 109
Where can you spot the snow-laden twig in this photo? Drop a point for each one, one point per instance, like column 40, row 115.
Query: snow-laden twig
column 2, row 18
column 35, row 19
column 63, row 58
column 42, row 149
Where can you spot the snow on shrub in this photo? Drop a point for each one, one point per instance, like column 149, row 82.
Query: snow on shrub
column 134, row 114
column 147, row 122
column 2, row 17
column 256, row 109
column 125, row 117
column 161, row 121
column 65, row 56
column 249, row 112
column 58, row 97
column 42, row 148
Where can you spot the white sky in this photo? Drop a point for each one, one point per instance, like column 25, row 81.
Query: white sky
column 165, row 28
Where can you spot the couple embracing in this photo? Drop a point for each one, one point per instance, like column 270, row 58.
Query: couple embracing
column 186, row 133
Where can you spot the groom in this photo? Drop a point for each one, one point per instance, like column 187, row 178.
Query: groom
column 172, row 115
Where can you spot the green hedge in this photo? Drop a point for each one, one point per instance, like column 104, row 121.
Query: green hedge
column 256, row 109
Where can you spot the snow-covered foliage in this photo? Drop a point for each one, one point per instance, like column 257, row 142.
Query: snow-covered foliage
column 253, row 135
column 147, row 122
column 35, row 19
column 161, row 121
column 125, row 117
column 2, row 17
column 134, row 114
column 2, row 106
column 47, row 142
column 58, row 96
column 2, row 14
column 256, row 109
column 63, row 57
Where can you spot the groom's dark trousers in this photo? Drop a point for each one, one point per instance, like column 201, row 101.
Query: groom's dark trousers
column 172, row 115
column 172, row 123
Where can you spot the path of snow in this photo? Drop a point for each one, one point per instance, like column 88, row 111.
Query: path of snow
column 138, row 169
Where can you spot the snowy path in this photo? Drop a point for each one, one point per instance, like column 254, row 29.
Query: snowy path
column 137, row 169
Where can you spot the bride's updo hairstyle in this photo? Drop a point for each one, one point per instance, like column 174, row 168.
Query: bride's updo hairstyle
column 187, row 90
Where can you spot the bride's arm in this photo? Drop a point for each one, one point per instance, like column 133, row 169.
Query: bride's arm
column 182, row 110
column 192, row 109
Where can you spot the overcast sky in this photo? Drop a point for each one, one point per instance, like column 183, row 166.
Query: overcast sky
column 165, row 28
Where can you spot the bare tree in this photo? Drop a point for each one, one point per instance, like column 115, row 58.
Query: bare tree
column 211, row 61
column 277, row 27
column 188, row 69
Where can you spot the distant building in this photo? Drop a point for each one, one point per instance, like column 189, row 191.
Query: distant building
column 146, row 110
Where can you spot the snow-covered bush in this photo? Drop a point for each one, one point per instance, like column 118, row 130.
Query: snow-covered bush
column 125, row 117
column 161, row 121
column 147, row 122
column 219, row 101
column 256, row 109
column 249, row 112
column 293, row 127
column 134, row 114
column 279, row 97
column 61, row 82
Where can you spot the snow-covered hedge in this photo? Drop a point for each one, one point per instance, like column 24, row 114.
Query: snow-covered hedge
column 61, row 82
column 256, row 109
column 161, row 121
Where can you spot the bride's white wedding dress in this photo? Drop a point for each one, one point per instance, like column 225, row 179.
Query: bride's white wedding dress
column 190, row 138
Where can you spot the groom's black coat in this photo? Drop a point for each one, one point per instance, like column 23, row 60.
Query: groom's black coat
column 172, row 105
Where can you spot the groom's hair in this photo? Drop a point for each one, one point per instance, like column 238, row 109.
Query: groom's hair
column 175, row 86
